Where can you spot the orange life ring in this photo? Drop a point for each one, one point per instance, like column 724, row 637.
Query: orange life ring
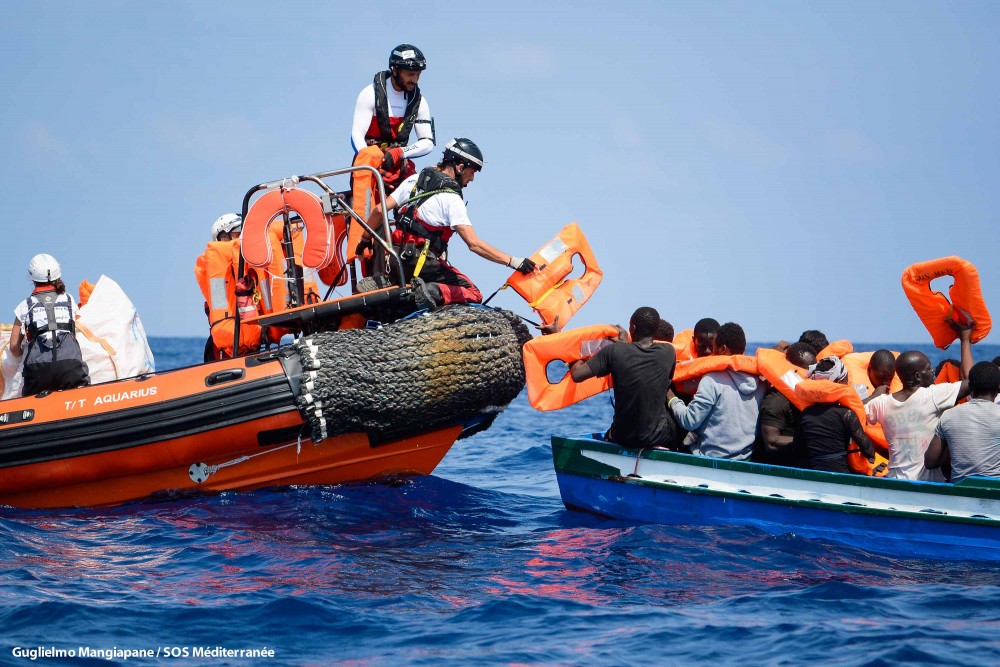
column 547, row 289
column 317, row 251
column 933, row 308
column 824, row 391
column 688, row 373
column 567, row 346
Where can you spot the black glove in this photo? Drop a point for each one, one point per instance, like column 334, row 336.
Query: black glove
column 364, row 244
column 392, row 160
column 522, row 264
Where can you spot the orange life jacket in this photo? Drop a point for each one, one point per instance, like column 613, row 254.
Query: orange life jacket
column 933, row 308
column 785, row 376
column 949, row 373
column 781, row 374
column 811, row 392
column 684, row 345
column 215, row 270
column 857, row 371
column 688, row 373
column 548, row 289
column 364, row 193
column 837, row 348
column 567, row 346
column 86, row 289
column 277, row 284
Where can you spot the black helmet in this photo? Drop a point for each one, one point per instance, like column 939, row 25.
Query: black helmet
column 407, row 56
column 464, row 151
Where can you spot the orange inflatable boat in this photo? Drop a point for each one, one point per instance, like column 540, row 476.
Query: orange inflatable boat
column 339, row 404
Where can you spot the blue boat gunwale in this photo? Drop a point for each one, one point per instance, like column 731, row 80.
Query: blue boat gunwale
column 978, row 488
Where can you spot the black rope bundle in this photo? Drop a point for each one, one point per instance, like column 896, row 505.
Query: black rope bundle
column 454, row 364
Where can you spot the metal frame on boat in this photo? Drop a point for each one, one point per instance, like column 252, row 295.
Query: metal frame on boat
column 887, row 515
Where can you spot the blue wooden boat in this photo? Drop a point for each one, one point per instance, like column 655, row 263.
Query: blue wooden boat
column 897, row 517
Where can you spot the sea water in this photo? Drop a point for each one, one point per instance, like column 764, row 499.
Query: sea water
column 479, row 563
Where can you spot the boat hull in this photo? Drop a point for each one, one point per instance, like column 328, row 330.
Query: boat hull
column 890, row 516
column 227, row 425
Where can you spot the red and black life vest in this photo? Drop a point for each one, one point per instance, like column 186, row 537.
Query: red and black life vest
column 430, row 182
column 387, row 135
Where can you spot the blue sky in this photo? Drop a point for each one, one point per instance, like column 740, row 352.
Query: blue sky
column 777, row 164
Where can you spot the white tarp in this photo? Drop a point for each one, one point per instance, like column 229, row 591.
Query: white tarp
column 111, row 338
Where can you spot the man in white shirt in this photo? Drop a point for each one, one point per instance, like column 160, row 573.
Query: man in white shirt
column 429, row 210
column 909, row 416
column 386, row 112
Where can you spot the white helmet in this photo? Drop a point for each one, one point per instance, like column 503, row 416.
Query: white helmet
column 44, row 268
column 226, row 223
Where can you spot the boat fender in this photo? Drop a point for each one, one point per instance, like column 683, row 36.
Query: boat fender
column 934, row 308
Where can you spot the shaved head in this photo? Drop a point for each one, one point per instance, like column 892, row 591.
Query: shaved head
column 914, row 369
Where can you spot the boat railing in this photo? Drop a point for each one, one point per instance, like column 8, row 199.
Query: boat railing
column 334, row 203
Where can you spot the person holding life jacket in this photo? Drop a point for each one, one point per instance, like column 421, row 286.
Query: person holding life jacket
column 387, row 112
column 776, row 442
column 910, row 415
column 46, row 319
column 216, row 268
column 722, row 416
column 429, row 210
column 826, row 430
column 641, row 371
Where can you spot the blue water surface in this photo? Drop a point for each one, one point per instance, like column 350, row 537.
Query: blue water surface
column 479, row 563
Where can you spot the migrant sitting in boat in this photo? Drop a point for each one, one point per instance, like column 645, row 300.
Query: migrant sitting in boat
column 641, row 372
column 827, row 429
column 910, row 415
column 776, row 443
column 722, row 416
column 968, row 435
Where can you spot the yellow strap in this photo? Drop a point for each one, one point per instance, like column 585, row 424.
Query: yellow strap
column 110, row 351
column 421, row 260
column 534, row 304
